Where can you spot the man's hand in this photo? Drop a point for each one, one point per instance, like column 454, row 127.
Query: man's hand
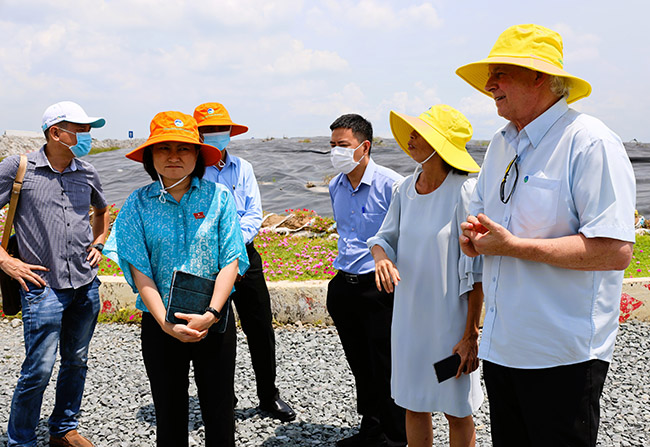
column 94, row 256
column 21, row 272
column 482, row 236
column 467, row 348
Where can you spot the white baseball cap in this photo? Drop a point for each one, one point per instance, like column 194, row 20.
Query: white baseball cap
column 71, row 112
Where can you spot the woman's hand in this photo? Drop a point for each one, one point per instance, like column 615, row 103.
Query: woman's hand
column 467, row 348
column 198, row 322
column 184, row 333
column 386, row 274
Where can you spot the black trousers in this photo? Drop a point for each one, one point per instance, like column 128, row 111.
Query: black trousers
column 363, row 318
column 557, row 406
column 253, row 304
column 167, row 361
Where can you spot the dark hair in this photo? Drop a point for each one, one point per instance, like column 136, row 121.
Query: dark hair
column 147, row 162
column 361, row 127
column 61, row 124
column 455, row 170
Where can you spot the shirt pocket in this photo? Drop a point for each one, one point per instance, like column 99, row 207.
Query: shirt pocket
column 537, row 202
column 79, row 195
column 370, row 223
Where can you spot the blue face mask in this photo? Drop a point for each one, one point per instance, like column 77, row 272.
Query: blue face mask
column 84, row 142
column 219, row 140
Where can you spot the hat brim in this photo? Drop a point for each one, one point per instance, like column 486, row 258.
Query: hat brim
column 211, row 154
column 402, row 125
column 95, row 122
column 237, row 129
column 476, row 74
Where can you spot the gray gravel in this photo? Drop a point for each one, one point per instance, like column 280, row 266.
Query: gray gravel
column 313, row 377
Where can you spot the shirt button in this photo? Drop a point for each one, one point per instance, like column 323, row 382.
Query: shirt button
column 352, row 211
column 491, row 309
column 506, row 219
column 494, row 279
column 69, row 242
column 352, row 194
column 68, row 224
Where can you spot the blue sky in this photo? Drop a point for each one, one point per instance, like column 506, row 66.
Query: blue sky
column 290, row 67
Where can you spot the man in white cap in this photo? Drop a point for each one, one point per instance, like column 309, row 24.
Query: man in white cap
column 57, row 269
column 553, row 213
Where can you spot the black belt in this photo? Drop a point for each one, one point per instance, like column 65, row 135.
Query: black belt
column 352, row 278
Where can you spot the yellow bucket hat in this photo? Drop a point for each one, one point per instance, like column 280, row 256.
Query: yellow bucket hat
column 530, row 46
column 215, row 114
column 444, row 128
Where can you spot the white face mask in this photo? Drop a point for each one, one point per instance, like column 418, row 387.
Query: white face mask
column 343, row 158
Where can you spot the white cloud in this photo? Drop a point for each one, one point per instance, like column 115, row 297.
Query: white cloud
column 477, row 105
column 298, row 60
column 380, row 15
column 581, row 46
column 350, row 99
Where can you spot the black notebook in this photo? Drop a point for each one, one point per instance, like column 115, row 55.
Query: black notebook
column 191, row 294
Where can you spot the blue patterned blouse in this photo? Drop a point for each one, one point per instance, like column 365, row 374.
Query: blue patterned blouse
column 199, row 235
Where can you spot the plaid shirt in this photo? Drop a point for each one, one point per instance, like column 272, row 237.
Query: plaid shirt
column 52, row 219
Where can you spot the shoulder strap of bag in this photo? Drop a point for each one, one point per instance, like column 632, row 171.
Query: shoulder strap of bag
column 15, row 194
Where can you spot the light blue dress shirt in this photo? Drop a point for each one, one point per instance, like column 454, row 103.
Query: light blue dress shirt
column 574, row 177
column 199, row 235
column 238, row 177
column 359, row 213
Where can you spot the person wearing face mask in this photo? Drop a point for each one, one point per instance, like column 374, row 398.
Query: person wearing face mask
column 57, row 269
column 439, row 297
column 361, row 195
column 251, row 296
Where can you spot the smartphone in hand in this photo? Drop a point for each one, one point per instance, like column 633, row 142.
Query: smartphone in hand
column 447, row 368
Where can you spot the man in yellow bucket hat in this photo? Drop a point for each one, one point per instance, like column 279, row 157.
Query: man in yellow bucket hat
column 553, row 213
column 251, row 296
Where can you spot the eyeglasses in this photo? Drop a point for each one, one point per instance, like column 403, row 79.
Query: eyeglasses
column 505, row 198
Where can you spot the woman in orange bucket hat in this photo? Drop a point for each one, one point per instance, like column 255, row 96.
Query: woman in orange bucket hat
column 181, row 222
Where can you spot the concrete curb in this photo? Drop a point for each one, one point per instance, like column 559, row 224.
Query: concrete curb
column 305, row 301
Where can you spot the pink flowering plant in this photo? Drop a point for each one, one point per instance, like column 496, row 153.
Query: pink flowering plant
column 640, row 265
column 109, row 313
column 295, row 258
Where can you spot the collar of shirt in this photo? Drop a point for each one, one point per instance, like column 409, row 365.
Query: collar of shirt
column 228, row 160
column 535, row 131
column 368, row 175
column 41, row 161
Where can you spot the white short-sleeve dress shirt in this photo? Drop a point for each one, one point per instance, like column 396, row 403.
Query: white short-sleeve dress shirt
column 574, row 177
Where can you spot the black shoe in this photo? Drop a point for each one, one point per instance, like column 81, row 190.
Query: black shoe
column 369, row 435
column 278, row 409
column 361, row 440
column 351, row 441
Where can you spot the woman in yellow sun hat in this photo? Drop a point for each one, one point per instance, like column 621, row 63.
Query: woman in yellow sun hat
column 181, row 222
column 439, row 297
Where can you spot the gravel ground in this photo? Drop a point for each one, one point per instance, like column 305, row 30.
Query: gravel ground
column 312, row 375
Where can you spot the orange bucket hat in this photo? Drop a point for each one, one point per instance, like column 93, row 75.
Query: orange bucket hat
column 179, row 127
column 530, row 46
column 215, row 114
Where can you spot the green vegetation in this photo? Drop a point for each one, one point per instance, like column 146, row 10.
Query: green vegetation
column 126, row 315
column 640, row 265
column 99, row 150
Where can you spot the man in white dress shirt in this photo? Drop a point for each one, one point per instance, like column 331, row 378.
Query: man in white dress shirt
column 553, row 213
